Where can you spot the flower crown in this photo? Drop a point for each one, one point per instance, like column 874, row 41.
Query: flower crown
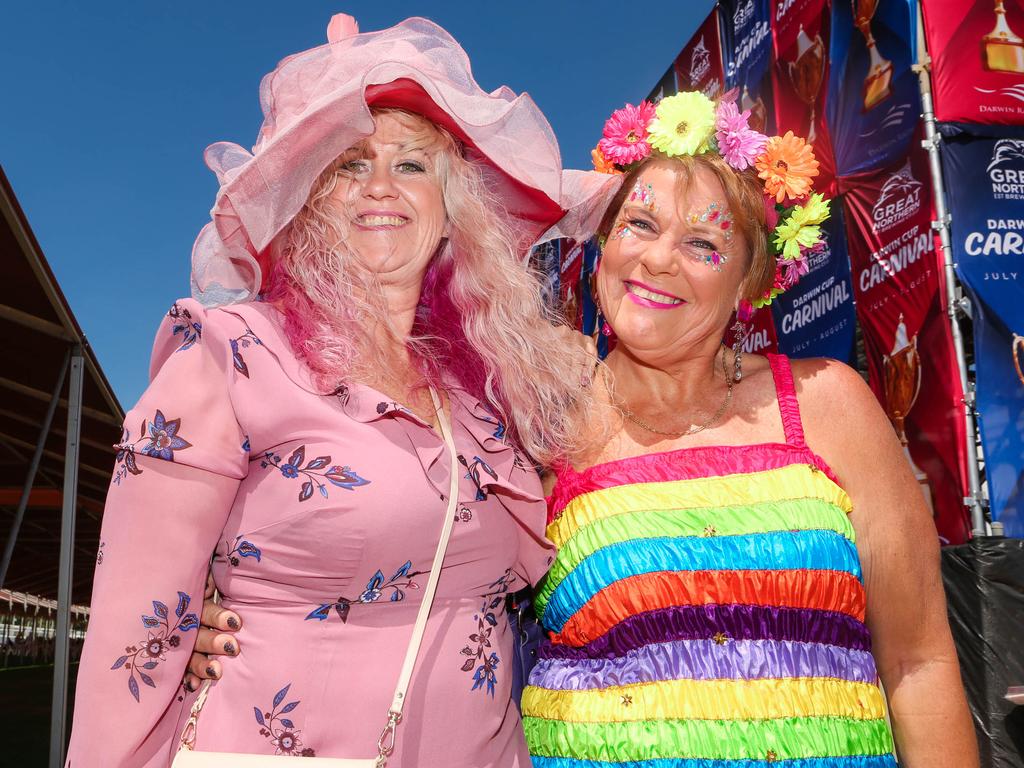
column 690, row 123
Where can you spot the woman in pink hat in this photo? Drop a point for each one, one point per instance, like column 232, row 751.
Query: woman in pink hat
column 367, row 253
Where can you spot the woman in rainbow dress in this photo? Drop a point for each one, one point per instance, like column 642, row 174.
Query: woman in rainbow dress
column 709, row 607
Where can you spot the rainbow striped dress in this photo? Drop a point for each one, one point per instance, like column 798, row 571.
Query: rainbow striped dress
column 706, row 610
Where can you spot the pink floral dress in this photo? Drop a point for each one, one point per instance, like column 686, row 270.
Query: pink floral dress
column 322, row 514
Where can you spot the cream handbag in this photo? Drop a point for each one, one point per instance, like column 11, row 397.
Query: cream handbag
column 187, row 757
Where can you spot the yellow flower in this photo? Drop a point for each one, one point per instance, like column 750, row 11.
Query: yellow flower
column 814, row 211
column 792, row 235
column 682, row 124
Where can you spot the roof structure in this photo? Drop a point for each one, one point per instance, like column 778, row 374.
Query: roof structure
column 39, row 330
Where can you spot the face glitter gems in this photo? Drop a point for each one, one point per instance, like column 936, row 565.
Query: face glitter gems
column 643, row 194
column 715, row 214
column 715, row 260
column 621, row 231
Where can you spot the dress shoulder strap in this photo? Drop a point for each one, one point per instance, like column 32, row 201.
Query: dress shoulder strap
column 785, row 391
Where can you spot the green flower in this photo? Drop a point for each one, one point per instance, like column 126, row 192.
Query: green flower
column 792, row 235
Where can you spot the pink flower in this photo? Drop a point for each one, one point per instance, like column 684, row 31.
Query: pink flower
column 625, row 134
column 795, row 269
column 737, row 143
column 771, row 215
column 745, row 311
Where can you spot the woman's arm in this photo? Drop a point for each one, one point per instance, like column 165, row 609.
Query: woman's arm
column 176, row 473
column 899, row 551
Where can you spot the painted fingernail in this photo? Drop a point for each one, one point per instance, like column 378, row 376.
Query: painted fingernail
column 210, row 671
column 229, row 647
column 232, row 622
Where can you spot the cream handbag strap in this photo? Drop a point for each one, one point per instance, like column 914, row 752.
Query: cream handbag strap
column 386, row 742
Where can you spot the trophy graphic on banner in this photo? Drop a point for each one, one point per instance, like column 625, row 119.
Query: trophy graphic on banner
column 807, row 72
column 758, row 111
column 877, row 85
column 1001, row 49
column 902, row 377
column 1017, row 350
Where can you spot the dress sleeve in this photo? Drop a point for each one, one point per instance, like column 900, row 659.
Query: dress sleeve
column 176, row 474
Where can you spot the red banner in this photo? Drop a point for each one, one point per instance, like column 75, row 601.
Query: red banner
column 762, row 339
column 977, row 51
column 897, row 279
column 800, row 37
column 699, row 65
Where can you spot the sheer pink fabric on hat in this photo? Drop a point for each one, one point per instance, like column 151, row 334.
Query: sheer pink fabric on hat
column 316, row 105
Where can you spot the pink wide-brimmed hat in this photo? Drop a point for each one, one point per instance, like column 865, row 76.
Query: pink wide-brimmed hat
column 316, row 105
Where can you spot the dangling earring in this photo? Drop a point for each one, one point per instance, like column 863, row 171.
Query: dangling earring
column 740, row 330
column 602, row 323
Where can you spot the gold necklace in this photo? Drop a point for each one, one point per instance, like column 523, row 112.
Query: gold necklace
column 695, row 428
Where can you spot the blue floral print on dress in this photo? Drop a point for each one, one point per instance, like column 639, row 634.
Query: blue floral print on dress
column 163, row 440
column 473, row 473
column 190, row 330
column 144, row 656
column 376, row 588
column 337, row 475
column 240, row 549
column 385, row 406
column 238, row 344
column 280, row 730
column 492, row 418
column 481, row 663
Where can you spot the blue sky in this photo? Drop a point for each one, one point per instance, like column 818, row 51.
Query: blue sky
column 108, row 106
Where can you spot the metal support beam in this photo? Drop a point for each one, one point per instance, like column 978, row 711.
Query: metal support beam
column 10, row 440
column 976, row 501
column 30, row 478
column 28, row 320
column 67, row 544
column 56, row 430
column 107, row 417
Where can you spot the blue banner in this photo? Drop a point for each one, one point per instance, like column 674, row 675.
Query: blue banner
column 985, row 188
column 874, row 101
column 816, row 318
column 745, row 27
column 588, row 307
column 746, row 41
column 546, row 258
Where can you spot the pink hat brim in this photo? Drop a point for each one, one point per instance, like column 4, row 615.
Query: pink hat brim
column 317, row 104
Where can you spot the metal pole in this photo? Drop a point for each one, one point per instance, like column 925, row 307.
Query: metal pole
column 67, row 551
column 976, row 501
column 26, row 491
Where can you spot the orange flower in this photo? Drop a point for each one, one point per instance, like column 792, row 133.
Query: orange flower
column 787, row 167
column 601, row 163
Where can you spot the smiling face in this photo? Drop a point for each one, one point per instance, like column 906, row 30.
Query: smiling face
column 673, row 265
column 388, row 195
